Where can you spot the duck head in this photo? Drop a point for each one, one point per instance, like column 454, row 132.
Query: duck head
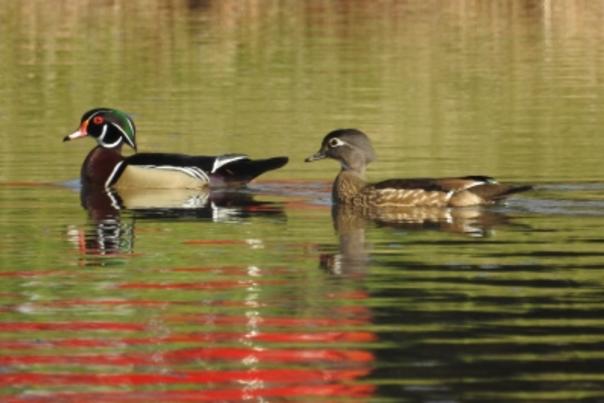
column 109, row 127
column 351, row 147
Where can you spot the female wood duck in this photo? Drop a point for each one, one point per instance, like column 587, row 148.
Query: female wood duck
column 106, row 166
column 353, row 149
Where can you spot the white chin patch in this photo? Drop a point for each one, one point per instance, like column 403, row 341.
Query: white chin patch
column 105, row 144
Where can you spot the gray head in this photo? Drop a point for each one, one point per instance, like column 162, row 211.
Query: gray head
column 351, row 147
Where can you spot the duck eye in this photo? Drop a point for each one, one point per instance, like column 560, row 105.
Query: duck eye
column 98, row 120
column 335, row 142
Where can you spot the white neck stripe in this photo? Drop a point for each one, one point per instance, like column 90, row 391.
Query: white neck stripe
column 123, row 132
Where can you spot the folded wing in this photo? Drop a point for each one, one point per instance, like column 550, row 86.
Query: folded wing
column 161, row 170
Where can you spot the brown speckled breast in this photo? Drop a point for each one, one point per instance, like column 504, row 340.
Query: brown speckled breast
column 347, row 187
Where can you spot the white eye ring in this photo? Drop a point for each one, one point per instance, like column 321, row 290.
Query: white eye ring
column 335, row 142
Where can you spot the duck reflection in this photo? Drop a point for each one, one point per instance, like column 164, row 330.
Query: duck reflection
column 113, row 214
column 352, row 256
column 474, row 221
column 350, row 224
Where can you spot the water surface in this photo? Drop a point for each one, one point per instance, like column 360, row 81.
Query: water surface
column 268, row 293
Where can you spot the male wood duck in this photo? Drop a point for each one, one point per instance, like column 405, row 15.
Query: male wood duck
column 353, row 149
column 105, row 165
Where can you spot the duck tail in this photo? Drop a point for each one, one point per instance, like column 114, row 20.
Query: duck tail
column 244, row 170
column 495, row 192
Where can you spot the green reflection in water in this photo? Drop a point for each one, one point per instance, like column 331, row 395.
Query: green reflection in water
column 513, row 91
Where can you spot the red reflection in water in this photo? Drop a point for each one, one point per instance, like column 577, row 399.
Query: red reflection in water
column 206, row 354
column 272, row 354
column 286, row 322
column 253, row 353
column 292, row 372
column 62, row 326
column 255, row 375
column 331, row 391
column 208, row 337
column 206, row 285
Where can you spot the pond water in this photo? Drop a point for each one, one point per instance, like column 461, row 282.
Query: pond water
column 267, row 294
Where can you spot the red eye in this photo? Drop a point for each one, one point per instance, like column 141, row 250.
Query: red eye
column 98, row 120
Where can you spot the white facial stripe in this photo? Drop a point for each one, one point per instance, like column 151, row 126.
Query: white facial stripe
column 95, row 113
column 131, row 127
column 122, row 131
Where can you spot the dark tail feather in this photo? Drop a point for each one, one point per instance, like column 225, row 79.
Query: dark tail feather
column 243, row 171
column 495, row 192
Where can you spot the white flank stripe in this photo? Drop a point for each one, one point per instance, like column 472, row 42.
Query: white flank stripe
column 113, row 173
column 223, row 160
column 195, row 172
